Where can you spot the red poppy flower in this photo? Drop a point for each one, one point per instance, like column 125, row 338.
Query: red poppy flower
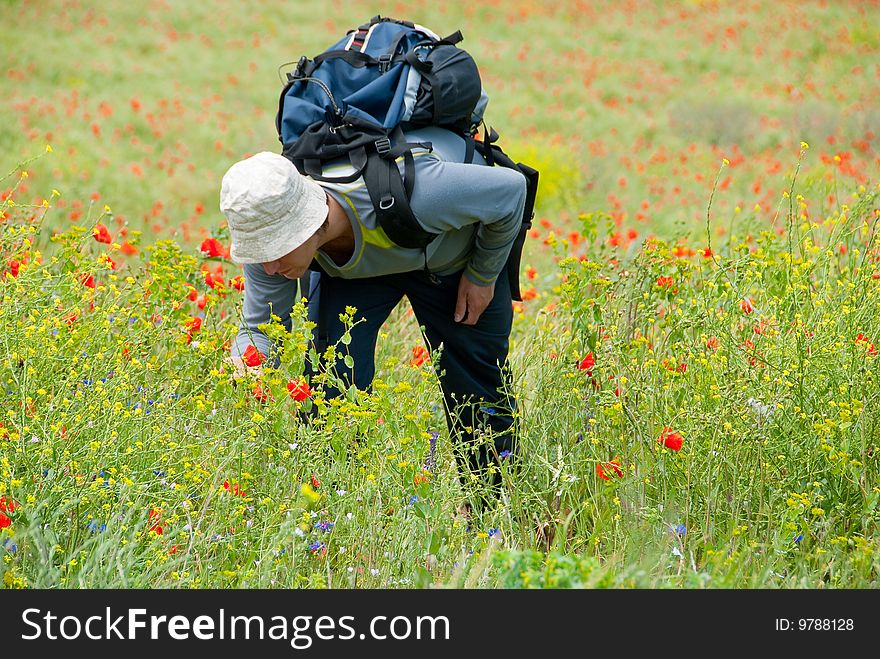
column 7, row 505
column 261, row 394
column 5, row 522
column 419, row 356
column 605, row 470
column 671, row 439
column 234, row 489
column 14, row 267
column 861, row 338
column 193, row 294
column 237, row 283
column 253, row 357
column 155, row 521
column 664, row 282
column 531, row 273
column 587, row 363
column 212, row 280
column 87, row 280
column 128, row 249
column 746, row 305
column 299, row 389
column 102, row 234
column 712, row 343
column 211, row 247
column 315, row 482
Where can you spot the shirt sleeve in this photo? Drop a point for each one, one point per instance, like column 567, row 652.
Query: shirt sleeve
column 264, row 295
column 451, row 195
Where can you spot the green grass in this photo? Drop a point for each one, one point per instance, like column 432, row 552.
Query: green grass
column 628, row 114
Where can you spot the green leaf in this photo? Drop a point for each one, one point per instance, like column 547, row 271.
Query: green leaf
column 349, row 361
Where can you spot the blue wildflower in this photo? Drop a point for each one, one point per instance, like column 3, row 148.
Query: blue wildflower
column 504, row 454
column 679, row 530
column 799, row 537
column 413, row 500
column 317, row 547
column 326, row 527
column 487, row 410
column 494, row 532
column 10, row 546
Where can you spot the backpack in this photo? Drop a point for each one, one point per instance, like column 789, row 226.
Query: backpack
column 357, row 98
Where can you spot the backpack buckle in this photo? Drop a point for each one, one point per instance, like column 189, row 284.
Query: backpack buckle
column 386, row 202
column 300, row 71
column 383, row 146
column 384, row 62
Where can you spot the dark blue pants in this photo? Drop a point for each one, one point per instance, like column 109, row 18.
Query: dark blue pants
column 472, row 366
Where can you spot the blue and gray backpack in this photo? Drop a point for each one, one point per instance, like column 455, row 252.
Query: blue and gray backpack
column 358, row 97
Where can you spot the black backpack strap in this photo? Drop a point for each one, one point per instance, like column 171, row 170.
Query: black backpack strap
column 393, row 212
column 390, row 193
column 469, row 147
column 314, row 168
column 360, row 36
column 352, row 57
column 451, row 40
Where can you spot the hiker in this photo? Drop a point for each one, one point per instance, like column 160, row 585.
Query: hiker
column 281, row 222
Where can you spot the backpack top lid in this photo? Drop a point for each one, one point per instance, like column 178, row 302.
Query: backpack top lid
column 385, row 74
column 353, row 86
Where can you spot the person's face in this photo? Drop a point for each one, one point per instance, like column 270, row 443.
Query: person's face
column 294, row 264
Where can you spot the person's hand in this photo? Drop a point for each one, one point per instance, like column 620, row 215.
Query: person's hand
column 472, row 301
column 240, row 369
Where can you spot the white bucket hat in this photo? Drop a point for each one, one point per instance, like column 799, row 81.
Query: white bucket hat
column 271, row 208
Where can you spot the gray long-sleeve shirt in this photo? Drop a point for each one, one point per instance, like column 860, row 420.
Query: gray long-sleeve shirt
column 476, row 209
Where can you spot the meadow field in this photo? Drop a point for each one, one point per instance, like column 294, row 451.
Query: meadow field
column 694, row 357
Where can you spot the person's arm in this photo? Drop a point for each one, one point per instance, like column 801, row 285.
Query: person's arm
column 450, row 195
column 264, row 295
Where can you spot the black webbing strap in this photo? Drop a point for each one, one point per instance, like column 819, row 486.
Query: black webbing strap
column 451, row 40
column 357, row 157
column 353, row 57
column 389, row 196
column 409, row 173
column 360, row 37
column 469, row 145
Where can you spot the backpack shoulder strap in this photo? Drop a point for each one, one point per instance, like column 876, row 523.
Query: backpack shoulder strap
column 390, row 193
